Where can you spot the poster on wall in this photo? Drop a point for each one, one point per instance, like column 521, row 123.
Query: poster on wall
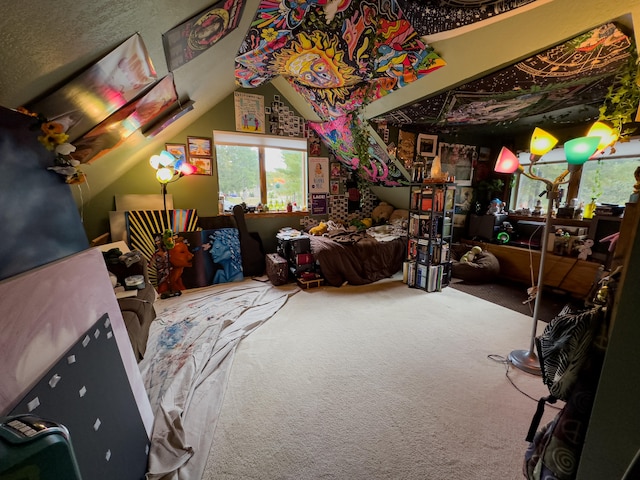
column 319, row 204
column 191, row 38
column 111, row 132
column 100, row 90
column 250, row 116
column 318, row 174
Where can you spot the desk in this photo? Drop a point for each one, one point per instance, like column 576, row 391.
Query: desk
column 569, row 274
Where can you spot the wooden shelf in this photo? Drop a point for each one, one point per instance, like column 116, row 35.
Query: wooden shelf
column 568, row 274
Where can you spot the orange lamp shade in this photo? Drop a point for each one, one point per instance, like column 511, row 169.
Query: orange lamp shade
column 507, row 161
column 608, row 136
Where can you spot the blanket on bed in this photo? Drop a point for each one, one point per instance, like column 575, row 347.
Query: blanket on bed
column 188, row 360
column 357, row 260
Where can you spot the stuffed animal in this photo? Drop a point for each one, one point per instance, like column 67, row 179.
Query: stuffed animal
column 585, row 249
column 382, row 213
column 319, row 229
column 471, row 254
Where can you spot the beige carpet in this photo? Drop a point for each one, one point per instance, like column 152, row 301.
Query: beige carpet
column 377, row 382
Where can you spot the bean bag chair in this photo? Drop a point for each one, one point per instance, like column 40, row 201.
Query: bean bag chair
column 482, row 269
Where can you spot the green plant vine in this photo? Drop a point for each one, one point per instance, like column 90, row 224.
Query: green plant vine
column 623, row 97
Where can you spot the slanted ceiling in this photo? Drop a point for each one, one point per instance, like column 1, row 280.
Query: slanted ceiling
column 44, row 46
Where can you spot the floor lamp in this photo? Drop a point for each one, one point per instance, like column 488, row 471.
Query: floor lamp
column 169, row 169
column 577, row 152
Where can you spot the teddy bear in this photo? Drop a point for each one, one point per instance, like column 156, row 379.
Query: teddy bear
column 382, row 213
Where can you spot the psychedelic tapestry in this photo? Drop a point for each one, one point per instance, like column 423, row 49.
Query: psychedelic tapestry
column 429, row 17
column 337, row 54
column 566, row 75
column 378, row 168
column 191, row 38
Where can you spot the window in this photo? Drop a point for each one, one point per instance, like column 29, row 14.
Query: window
column 609, row 179
column 261, row 169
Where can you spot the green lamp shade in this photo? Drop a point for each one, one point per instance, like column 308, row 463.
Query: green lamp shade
column 579, row 150
column 507, row 161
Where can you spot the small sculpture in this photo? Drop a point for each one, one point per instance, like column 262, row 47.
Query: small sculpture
column 496, row 207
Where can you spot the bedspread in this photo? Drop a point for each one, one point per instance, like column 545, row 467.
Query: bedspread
column 357, row 260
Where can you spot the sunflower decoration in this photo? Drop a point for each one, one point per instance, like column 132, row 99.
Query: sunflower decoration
column 54, row 138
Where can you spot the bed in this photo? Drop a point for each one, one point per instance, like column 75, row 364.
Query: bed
column 359, row 258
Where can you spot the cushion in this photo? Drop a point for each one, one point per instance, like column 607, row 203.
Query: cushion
column 484, row 268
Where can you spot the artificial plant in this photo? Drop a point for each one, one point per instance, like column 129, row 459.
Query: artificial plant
column 621, row 102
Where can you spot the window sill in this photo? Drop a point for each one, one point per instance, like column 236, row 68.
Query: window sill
column 275, row 214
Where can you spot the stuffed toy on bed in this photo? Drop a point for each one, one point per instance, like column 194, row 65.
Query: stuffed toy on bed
column 382, row 213
column 319, row 229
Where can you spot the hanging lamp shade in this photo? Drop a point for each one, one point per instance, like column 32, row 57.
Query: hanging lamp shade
column 541, row 142
column 608, row 136
column 578, row 150
column 507, row 161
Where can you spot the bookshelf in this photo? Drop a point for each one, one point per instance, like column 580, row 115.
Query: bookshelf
column 429, row 236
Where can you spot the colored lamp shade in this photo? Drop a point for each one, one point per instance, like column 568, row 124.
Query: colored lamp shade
column 578, row 150
column 541, row 142
column 187, row 168
column 608, row 136
column 507, row 161
column 164, row 174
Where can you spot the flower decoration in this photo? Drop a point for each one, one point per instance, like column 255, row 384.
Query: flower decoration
column 54, row 139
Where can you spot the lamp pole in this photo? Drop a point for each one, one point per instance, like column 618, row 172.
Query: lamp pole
column 527, row 360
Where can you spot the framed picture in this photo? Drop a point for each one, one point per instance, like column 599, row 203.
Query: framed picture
column 186, row 41
column 203, row 165
column 178, row 150
column 335, row 169
column 457, row 160
column 249, row 110
column 199, row 146
column 334, row 187
column 427, row 145
column 318, row 174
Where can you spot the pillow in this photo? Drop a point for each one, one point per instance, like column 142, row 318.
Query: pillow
column 484, row 268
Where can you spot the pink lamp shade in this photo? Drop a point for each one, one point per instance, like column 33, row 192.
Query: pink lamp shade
column 578, row 150
column 507, row 161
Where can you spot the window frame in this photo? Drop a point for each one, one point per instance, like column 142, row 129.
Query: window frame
column 623, row 150
column 261, row 142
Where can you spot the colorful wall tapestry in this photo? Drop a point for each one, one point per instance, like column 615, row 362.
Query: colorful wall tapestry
column 191, row 38
column 335, row 54
column 106, row 86
column 378, row 168
column 576, row 72
column 433, row 16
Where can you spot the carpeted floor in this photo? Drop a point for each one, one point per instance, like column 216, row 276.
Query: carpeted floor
column 377, row 382
column 513, row 295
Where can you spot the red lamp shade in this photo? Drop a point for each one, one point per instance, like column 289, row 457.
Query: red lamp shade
column 187, row 168
column 507, row 161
